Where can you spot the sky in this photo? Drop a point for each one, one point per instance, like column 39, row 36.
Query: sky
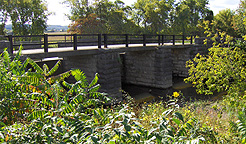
column 59, row 10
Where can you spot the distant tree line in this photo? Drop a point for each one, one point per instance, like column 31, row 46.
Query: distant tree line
column 144, row 16
column 29, row 17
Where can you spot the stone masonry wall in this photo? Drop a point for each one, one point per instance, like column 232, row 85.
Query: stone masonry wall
column 86, row 63
column 139, row 67
column 106, row 64
column 109, row 70
column 181, row 55
column 163, row 68
column 149, row 68
column 179, row 58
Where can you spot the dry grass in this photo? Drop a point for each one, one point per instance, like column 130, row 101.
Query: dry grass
column 212, row 114
column 59, row 38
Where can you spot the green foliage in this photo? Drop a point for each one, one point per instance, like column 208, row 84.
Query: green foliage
column 229, row 21
column 37, row 107
column 4, row 17
column 153, row 17
column 188, row 14
column 222, row 70
column 239, row 127
column 223, row 22
column 239, row 19
column 27, row 16
column 12, row 94
column 34, row 101
column 100, row 17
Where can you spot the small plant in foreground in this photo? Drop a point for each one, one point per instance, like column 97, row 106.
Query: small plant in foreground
column 239, row 127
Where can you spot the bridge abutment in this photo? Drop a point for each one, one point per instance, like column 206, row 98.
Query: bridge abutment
column 151, row 68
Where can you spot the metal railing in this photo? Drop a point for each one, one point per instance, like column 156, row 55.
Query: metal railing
column 45, row 41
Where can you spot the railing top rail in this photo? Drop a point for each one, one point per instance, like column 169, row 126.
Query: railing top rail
column 27, row 36
column 87, row 34
column 96, row 35
column 115, row 34
column 59, row 34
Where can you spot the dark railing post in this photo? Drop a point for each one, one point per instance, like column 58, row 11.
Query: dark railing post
column 65, row 40
column 105, row 40
column 162, row 41
column 127, row 40
column 173, row 39
column 191, row 40
column 159, row 40
column 10, row 44
column 75, row 40
column 99, row 40
column 144, row 40
column 183, row 39
column 45, row 43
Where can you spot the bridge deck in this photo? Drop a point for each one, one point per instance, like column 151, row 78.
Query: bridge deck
column 86, row 50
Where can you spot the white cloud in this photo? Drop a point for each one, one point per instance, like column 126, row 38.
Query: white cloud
column 218, row 5
column 59, row 10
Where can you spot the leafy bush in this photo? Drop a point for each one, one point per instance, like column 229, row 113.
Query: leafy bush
column 37, row 107
column 222, row 70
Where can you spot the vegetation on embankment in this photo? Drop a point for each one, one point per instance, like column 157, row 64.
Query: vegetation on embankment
column 37, row 107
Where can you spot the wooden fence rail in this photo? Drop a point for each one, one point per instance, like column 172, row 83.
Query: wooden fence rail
column 43, row 41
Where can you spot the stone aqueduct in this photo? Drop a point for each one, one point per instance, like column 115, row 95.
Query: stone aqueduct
column 152, row 66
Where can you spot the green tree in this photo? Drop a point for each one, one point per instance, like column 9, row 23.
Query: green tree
column 28, row 17
column 118, row 21
column 79, row 9
column 104, row 16
column 152, row 15
column 223, row 21
column 3, row 16
column 115, row 17
column 188, row 14
column 181, row 19
column 111, row 15
column 88, row 24
column 239, row 20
